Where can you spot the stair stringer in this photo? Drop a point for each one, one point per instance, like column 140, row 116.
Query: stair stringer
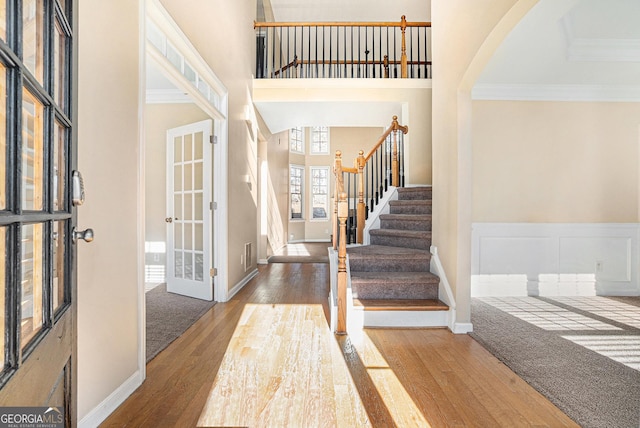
column 373, row 220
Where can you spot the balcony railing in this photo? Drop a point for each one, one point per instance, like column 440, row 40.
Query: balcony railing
column 343, row 49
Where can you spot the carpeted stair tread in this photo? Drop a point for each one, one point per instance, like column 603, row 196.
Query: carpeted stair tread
column 413, row 193
column 400, row 304
column 394, row 285
column 414, row 217
column 394, row 277
column 405, row 221
column 409, row 206
column 401, row 238
column 381, row 258
column 422, row 234
column 385, row 251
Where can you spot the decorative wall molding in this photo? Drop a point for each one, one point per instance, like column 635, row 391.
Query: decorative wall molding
column 552, row 92
column 555, row 259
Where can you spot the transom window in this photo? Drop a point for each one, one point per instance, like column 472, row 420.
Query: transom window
column 320, row 140
column 296, row 186
column 320, row 193
column 296, row 140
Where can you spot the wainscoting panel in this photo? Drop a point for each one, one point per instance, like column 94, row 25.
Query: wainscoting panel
column 519, row 259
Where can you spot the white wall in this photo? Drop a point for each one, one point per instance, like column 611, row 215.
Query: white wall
column 461, row 49
column 559, row 162
column 108, row 156
column 222, row 32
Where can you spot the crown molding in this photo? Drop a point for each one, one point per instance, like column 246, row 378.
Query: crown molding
column 556, row 92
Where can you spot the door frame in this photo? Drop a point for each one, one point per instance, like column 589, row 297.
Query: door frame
column 186, row 286
column 152, row 10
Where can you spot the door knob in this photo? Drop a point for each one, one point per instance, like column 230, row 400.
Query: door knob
column 168, row 219
column 86, row 235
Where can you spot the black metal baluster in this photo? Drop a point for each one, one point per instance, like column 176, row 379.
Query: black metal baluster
column 380, row 56
column 345, row 51
column 395, row 52
column 366, row 51
column 330, row 49
column 309, row 54
column 411, row 47
column 386, row 165
column 317, row 73
column 380, row 174
column 359, row 49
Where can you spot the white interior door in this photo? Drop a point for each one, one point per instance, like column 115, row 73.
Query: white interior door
column 189, row 226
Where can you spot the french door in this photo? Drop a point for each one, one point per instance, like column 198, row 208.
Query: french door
column 37, row 268
column 189, row 231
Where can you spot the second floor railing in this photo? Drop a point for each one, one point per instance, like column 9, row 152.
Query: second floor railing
column 343, row 49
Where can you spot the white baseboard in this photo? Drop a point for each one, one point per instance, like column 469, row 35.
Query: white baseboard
column 462, row 328
column 263, row 261
column 241, row 284
column 102, row 411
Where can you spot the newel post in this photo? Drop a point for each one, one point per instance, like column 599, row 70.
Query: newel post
column 403, row 57
column 337, row 169
column 343, row 212
column 360, row 163
column 395, row 169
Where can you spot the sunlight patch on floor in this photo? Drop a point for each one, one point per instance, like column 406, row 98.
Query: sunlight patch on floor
column 399, row 403
column 283, row 367
column 605, row 308
column 545, row 315
column 623, row 349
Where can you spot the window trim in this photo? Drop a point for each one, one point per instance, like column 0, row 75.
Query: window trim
column 315, row 130
column 302, row 140
column 302, row 192
column 313, row 194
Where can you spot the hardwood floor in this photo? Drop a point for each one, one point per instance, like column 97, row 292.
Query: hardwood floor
column 404, row 377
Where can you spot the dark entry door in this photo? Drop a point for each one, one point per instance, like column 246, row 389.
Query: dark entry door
column 37, row 191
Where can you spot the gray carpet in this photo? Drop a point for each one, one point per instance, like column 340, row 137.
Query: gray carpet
column 168, row 316
column 594, row 390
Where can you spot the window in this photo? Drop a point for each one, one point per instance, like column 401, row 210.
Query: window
column 297, row 140
column 320, row 193
column 296, row 181
column 320, row 140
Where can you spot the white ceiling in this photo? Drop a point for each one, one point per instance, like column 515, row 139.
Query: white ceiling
column 569, row 49
column 350, row 10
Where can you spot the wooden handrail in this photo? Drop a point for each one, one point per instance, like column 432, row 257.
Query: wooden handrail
column 341, row 210
column 395, row 126
column 406, row 24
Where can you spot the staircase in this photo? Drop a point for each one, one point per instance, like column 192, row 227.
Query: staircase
column 391, row 282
